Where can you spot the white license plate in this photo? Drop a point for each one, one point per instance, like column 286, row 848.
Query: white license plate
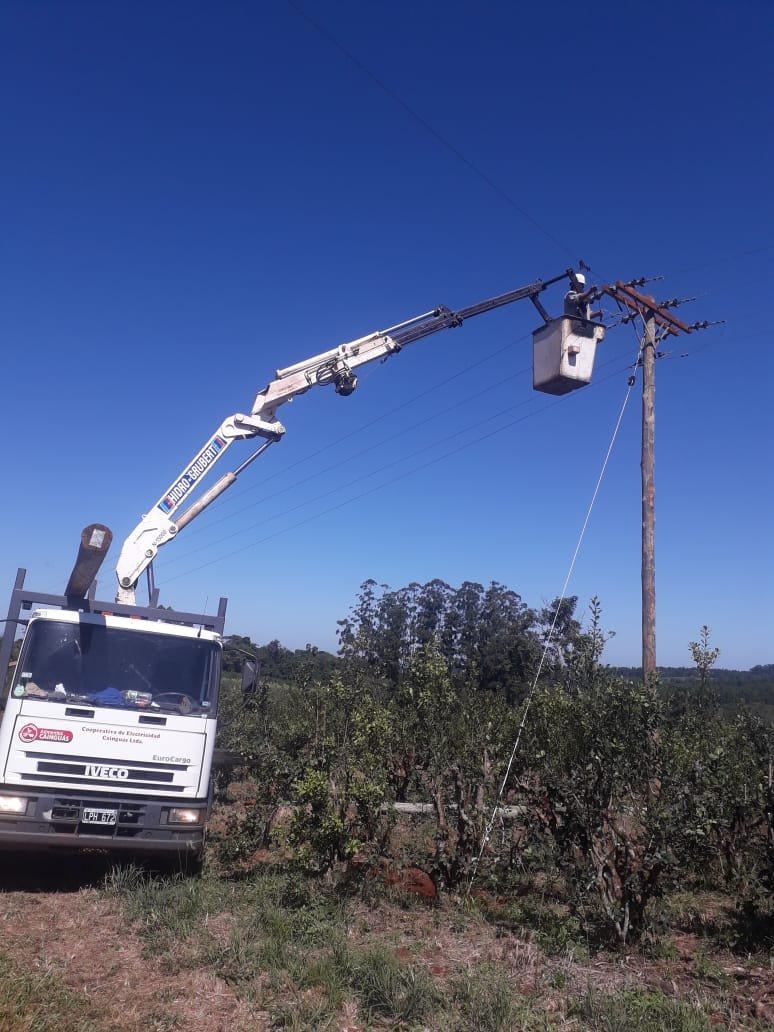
column 100, row 817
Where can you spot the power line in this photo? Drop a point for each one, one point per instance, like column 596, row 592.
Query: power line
column 383, row 468
column 722, row 260
column 378, row 487
column 486, row 389
column 364, row 451
column 354, row 455
column 171, row 560
column 471, row 165
column 362, row 477
column 462, row 157
column 227, row 499
column 183, row 556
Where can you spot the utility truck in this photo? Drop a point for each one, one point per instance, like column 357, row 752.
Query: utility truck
column 110, row 710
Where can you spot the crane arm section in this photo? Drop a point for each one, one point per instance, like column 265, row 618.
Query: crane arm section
column 335, row 367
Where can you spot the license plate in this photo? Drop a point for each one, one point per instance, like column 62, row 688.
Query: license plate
column 100, row 816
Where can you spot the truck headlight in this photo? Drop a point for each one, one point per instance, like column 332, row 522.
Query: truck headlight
column 182, row 815
column 13, row 804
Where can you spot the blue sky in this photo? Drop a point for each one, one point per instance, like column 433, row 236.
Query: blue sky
column 195, row 194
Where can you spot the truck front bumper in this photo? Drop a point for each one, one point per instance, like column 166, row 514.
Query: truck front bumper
column 69, row 820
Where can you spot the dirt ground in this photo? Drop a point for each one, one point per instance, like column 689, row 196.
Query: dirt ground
column 55, row 920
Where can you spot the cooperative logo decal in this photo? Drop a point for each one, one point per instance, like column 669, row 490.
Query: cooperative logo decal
column 33, row 733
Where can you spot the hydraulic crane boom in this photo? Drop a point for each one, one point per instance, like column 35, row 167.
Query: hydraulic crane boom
column 335, row 367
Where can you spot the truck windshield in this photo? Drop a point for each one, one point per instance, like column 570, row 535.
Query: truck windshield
column 114, row 666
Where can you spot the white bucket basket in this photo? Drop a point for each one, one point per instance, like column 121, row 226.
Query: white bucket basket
column 563, row 354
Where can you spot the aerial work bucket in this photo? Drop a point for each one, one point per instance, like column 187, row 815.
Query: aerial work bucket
column 563, row 354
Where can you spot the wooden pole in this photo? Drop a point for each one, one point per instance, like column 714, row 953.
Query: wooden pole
column 648, row 499
column 653, row 315
column 95, row 542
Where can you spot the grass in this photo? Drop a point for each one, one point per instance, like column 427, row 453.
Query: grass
column 637, row 1011
column 484, row 1000
column 274, row 938
column 556, row 931
column 38, row 1001
column 165, row 910
column 308, row 956
column 284, row 945
column 388, row 989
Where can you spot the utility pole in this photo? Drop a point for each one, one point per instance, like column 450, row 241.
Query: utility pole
column 647, row 467
column 658, row 323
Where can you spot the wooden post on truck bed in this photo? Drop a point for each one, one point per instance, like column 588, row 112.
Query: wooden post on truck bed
column 95, row 542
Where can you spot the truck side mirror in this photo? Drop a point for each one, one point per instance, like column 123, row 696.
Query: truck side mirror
column 250, row 673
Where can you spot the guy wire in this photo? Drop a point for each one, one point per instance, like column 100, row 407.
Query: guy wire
column 490, row 824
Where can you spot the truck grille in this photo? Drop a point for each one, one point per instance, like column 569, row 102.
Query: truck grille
column 107, row 775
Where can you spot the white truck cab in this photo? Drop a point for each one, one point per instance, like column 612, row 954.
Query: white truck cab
column 108, row 729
